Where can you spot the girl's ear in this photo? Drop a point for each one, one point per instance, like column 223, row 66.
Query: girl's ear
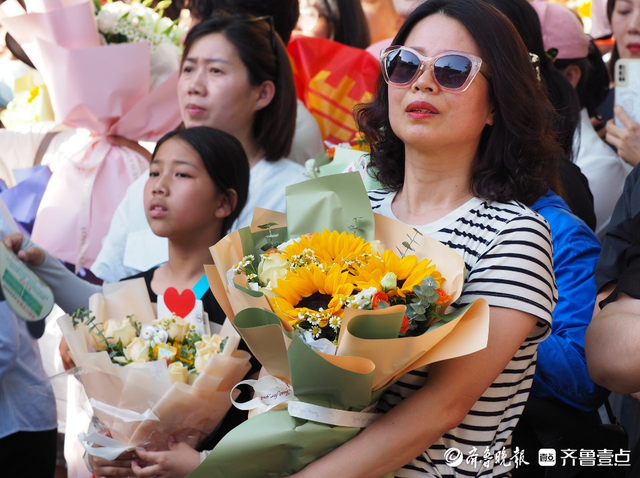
column 227, row 204
column 266, row 92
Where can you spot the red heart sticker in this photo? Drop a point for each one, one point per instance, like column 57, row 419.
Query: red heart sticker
column 179, row 303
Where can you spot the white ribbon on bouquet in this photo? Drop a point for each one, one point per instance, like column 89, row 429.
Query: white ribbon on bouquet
column 110, row 448
column 271, row 392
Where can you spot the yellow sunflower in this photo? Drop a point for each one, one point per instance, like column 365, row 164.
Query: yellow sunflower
column 312, row 299
column 395, row 275
column 328, row 248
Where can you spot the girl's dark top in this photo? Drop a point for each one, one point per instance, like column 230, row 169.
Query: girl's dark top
column 234, row 416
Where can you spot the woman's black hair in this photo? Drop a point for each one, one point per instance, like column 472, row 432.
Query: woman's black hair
column 516, row 152
column 224, row 159
column 265, row 57
column 347, row 22
column 284, row 12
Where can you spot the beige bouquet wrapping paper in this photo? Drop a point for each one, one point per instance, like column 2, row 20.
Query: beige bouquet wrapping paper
column 139, row 403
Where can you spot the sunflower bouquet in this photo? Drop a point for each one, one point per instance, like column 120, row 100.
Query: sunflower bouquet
column 312, row 279
column 381, row 295
column 146, row 378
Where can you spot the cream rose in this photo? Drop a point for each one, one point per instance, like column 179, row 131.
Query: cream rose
column 138, row 350
column 107, row 21
column 99, row 342
column 209, row 346
column 115, row 330
column 272, row 267
column 177, row 329
column 178, row 372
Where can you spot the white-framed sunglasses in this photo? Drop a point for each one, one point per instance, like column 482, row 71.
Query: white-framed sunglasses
column 452, row 70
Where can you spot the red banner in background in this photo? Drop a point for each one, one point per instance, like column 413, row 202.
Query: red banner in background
column 330, row 79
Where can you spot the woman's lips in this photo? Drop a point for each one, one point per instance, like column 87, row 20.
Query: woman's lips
column 633, row 47
column 421, row 109
column 194, row 110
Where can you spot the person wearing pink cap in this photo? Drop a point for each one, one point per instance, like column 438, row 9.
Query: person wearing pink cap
column 624, row 16
column 581, row 63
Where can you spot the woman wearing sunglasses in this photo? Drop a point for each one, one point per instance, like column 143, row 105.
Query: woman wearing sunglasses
column 461, row 138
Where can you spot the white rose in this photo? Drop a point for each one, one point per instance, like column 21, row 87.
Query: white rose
column 163, row 24
column 117, row 8
column 272, row 267
column 137, row 350
column 107, row 21
column 178, row 372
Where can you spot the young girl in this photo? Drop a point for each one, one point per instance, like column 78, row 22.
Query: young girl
column 198, row 184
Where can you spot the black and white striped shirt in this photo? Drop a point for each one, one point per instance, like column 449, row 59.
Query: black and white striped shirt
column 507, row 251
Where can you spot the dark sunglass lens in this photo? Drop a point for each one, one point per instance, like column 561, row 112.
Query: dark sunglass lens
column 451, row 71
column 401, row 66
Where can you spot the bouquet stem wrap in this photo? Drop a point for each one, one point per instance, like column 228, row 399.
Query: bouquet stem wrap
column 370, row 355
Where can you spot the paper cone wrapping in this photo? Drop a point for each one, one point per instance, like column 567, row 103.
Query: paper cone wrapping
column 138, row 403
column 370, row 355
column 105, row 89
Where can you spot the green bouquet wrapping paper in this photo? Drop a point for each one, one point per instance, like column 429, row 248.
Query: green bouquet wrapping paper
column 308, row 402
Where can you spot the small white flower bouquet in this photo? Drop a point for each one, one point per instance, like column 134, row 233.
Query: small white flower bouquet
column 147, row 378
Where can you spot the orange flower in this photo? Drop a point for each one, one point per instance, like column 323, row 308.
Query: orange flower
column 443, row 297
column 405, row 325
column 379, row 297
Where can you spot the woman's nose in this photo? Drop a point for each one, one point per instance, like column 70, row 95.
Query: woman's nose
column 196, row 85
column 425, row 80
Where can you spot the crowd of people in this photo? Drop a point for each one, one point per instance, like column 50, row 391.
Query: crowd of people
column 493, row 128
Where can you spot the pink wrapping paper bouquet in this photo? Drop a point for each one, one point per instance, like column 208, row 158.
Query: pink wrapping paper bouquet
column 125, row 88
